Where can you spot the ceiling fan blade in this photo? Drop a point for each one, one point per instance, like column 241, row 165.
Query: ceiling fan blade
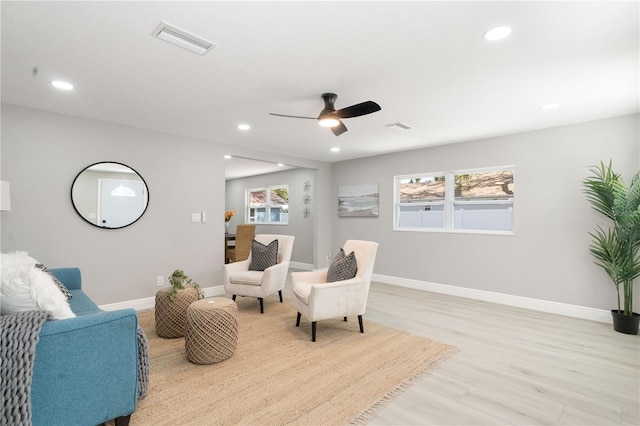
column 358, row 109
column 292, row 116
column 339, row 129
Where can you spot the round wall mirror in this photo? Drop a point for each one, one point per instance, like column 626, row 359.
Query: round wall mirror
column 109, row 195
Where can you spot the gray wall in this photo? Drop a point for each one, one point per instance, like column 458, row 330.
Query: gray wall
column 41, row 155
column 548, row 256
column 299, row 226
column 546, row 259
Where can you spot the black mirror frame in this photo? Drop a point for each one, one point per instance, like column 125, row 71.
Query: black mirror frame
column 110, row 162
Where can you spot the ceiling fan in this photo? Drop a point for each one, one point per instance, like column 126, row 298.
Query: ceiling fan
column 329, row 117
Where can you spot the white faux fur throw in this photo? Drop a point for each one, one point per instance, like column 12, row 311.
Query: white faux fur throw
column 26, row 288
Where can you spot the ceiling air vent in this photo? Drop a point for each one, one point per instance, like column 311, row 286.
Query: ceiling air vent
column 179, row 37
column 399, row 126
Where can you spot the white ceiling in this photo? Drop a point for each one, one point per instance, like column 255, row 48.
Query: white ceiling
column 425, row 63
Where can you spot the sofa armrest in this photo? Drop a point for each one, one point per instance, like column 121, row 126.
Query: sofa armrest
column 339, row 298
column 275, row 277
column 233, row 267
column 315, row 276
column 70, row 277
column 85, row 369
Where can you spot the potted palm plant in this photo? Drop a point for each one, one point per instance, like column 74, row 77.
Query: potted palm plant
column 616, row 249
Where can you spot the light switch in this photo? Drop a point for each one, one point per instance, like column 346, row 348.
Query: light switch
column 195, row 217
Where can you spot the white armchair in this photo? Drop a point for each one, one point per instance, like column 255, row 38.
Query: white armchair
column 316, row 299
column 239, row 280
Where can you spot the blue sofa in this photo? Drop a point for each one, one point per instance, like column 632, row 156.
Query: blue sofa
column 85, row 369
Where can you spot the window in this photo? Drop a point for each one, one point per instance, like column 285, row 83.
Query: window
column 123, row 191
column 463, row 200
column 268, row 205
column 422, row 201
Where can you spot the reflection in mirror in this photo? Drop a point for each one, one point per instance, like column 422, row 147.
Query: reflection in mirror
column 109, row 195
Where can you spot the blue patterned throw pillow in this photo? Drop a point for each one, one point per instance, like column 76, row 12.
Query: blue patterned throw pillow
column 263, row 257
column 343, row 267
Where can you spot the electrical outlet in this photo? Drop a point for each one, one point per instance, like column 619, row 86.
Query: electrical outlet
column 160, row 281
column 328, row 257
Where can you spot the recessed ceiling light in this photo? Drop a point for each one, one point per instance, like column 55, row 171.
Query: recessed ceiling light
column 550, row 106
column 62, row 85
column 497, row 33
column 280, row 165
column 335, row 149
column 243, row 126
column 227, row 157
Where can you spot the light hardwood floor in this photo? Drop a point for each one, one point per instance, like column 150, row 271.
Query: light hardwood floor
column 514, row 366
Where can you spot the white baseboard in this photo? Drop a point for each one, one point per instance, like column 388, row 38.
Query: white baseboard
column 150, row 302
column 302, row 266
column 574, row 311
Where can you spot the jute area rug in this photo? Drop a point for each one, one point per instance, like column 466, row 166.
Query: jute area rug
column 277, row 376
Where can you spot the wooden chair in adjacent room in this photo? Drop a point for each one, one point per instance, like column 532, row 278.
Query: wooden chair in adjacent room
column 244, row 236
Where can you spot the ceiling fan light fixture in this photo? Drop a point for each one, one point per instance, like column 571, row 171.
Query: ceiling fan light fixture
column 330, row 117
column 179, row 37
column 328, row 122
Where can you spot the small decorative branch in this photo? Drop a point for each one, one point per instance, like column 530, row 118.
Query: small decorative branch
column 179, row 280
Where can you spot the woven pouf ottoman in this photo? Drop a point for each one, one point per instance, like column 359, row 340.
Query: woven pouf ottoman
column 211, row 334
column 171, row 315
